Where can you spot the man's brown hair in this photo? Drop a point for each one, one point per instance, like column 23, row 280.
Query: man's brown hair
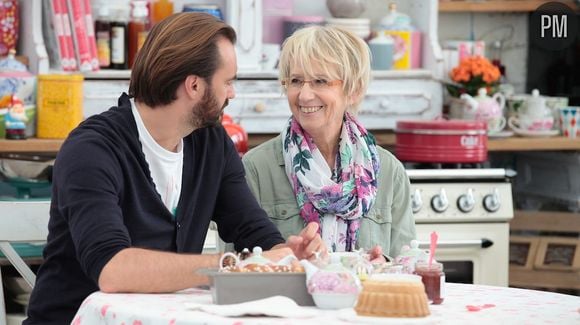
column 181, row 45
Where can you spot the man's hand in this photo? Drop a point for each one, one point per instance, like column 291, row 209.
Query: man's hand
column 376, row 255
column 307, row 243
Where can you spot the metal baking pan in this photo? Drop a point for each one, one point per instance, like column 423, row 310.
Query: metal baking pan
column 237, row 287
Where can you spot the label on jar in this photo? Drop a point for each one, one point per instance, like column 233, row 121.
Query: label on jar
column 118, row 45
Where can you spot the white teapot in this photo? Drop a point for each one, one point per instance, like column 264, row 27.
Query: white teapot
column 486, row 108
column 483, row 107
column 536, row 106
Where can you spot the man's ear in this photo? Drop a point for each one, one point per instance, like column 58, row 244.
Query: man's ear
column 193, row 86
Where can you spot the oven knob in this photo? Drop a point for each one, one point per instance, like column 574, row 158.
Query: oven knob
column 466, row 202
column 491, row 202
column 416, row 201
column 439, row 202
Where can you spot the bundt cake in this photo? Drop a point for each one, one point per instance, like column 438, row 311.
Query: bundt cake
column 393, row 295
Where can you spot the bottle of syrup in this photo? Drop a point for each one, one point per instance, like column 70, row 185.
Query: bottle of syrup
column 119, row 41
column 103, row 37
column 138, row 29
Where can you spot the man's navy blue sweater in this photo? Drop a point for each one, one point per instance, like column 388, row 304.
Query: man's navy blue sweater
column 104, row 200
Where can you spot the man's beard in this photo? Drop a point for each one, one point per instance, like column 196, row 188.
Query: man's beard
column 207, row 113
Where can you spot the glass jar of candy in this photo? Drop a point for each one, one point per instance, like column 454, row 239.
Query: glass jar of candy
column 10, row 21
column 433, row 278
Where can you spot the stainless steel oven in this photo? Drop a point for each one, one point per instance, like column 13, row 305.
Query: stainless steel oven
column 470, row 210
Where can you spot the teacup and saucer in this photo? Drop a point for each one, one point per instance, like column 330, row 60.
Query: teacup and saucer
column 531, row 126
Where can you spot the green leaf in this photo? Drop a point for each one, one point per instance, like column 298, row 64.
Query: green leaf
column 300, row 161
column 296, row 161
column 305, row 164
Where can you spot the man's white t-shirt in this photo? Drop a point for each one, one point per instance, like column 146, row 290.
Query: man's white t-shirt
column 166, row 167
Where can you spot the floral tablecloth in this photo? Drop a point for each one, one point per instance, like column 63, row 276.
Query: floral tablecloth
column 464, row 304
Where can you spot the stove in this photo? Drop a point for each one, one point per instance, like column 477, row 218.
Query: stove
column 470, row 209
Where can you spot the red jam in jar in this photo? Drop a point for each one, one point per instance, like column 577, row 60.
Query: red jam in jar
column 434, row 280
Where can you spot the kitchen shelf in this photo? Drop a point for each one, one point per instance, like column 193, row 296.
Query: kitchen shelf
column 533, row 144
column 30, row 145
column 497, row 5
column 384, row 138
column 387, row 139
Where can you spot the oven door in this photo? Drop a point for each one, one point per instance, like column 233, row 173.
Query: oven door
column 474, row 253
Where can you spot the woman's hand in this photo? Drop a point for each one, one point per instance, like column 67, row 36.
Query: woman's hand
column 307, row 243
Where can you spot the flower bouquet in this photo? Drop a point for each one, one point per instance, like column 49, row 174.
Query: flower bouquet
column 471, row 74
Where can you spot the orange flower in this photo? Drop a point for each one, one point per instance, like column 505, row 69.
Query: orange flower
column 473, row 73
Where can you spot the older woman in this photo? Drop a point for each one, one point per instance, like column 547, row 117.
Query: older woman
column 325, row 166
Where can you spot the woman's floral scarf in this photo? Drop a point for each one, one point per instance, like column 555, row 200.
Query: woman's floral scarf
column 347, row 194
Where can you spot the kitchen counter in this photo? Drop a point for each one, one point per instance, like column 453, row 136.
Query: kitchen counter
column 384, row 138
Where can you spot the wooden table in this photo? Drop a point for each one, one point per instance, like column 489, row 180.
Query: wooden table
column 463, row 304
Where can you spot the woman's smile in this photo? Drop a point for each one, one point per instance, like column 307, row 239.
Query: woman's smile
column 310, row 109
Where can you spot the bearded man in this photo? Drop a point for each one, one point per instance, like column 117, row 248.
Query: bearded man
column 135, row 188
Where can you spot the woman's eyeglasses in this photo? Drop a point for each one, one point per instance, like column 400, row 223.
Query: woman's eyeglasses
column 317, row 84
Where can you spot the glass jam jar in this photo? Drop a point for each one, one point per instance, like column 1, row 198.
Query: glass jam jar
column 434, row 280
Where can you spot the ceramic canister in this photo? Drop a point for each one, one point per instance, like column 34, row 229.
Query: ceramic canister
column 382, row 52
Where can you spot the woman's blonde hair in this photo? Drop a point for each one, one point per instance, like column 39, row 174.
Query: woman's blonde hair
column 341, row 54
